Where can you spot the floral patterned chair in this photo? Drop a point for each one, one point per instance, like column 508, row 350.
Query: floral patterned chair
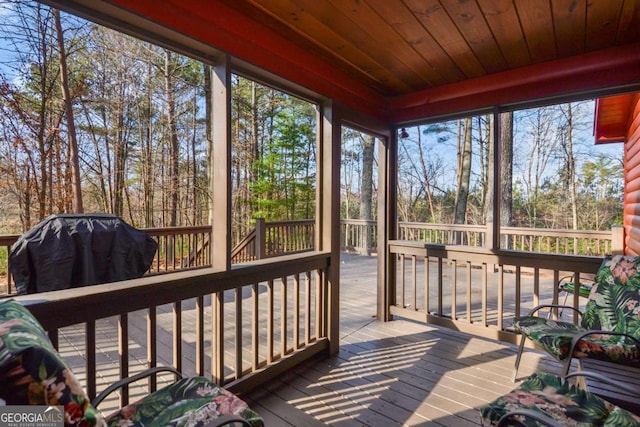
column 546, row 399
column 609, row 328
column 33, row 373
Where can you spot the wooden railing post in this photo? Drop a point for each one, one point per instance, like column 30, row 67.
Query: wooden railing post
column 617, row 240
column 261, row 238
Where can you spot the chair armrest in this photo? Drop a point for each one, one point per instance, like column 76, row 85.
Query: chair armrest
column 541, row 306
column 541, row 418
column 603, row 378
column 125, row 381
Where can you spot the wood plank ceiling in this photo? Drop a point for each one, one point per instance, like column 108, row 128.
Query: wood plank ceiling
column 404, row 46
column 404, row 59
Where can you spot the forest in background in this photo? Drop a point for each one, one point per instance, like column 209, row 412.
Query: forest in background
column 95, row 119
column 552, row 174
column 131, row 121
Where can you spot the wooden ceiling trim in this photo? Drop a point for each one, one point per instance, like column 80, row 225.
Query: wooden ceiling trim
column 438, row 23
column 368, row 24
column 248, row 40
column 333, row 42
column 615, row 67
column 471, row 23
column 537, row 24
column 602, row 23
column 629, row 30
column 503, row 21
column 410, row 29
column 569, row 26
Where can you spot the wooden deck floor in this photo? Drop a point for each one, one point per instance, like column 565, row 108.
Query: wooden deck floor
column 392, row 374
column 386, row 374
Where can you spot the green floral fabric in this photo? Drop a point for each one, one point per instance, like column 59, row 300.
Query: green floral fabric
column 189, row 402
column 612, row 306
column 32, row 372
column 560, row 400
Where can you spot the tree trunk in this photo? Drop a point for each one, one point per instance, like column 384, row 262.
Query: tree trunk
column 490, row 184
column 71, row 127
column 506, row 169
column 464, row 173
column 173, row 141
column 571, row 168
column 209, row 130
column 366, row 191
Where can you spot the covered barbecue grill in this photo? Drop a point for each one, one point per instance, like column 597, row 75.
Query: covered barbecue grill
column 70, row 251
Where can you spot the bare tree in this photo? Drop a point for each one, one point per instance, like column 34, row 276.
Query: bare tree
column 463, row 170
column 366, row 191
column 506, row 169
column 68, row 108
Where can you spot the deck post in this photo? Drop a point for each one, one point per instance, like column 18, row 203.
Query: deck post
column 328, row 215
column 387, row 224
column 220, row 204
column 617, row 240
column 261, row 238
column 220, row 164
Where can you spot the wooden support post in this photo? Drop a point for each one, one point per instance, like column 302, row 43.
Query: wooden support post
column 387, row 224
column 328, row 214
column 617, row 240
column 220, row 165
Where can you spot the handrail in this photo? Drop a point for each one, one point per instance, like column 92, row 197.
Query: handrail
column 188, row 247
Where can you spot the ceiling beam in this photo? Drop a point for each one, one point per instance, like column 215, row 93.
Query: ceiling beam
column 606, row 69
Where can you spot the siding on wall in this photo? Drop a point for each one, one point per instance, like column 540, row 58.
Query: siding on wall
column 632, row 181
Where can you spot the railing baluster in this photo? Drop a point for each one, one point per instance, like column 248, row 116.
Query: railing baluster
column 255, row 331
column 318, row 277
column 270, row 321
column 469, row 293
column 414, row 282
column 177, row 335
column 536, row 286
column 403, row 275
column 238, row 332
column 518, row 290
column 454, row 290
column 152, row 344
column 123, row 349
column 426, row 284
column 90, row 350
column 296, row 312
column 283, row 316
column 200, row 359
column 217, row 338
column 500, row 297
column 440, row 286
column 485, row 294
column 307, row 308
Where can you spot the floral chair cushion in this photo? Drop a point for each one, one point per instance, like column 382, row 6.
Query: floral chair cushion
column 555, row 338
column 613, row 301
column 32, row 372
column 191, row 401
column 612, row 306
column 559, row 400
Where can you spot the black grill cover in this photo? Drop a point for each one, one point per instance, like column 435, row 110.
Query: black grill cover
column 70, row 251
